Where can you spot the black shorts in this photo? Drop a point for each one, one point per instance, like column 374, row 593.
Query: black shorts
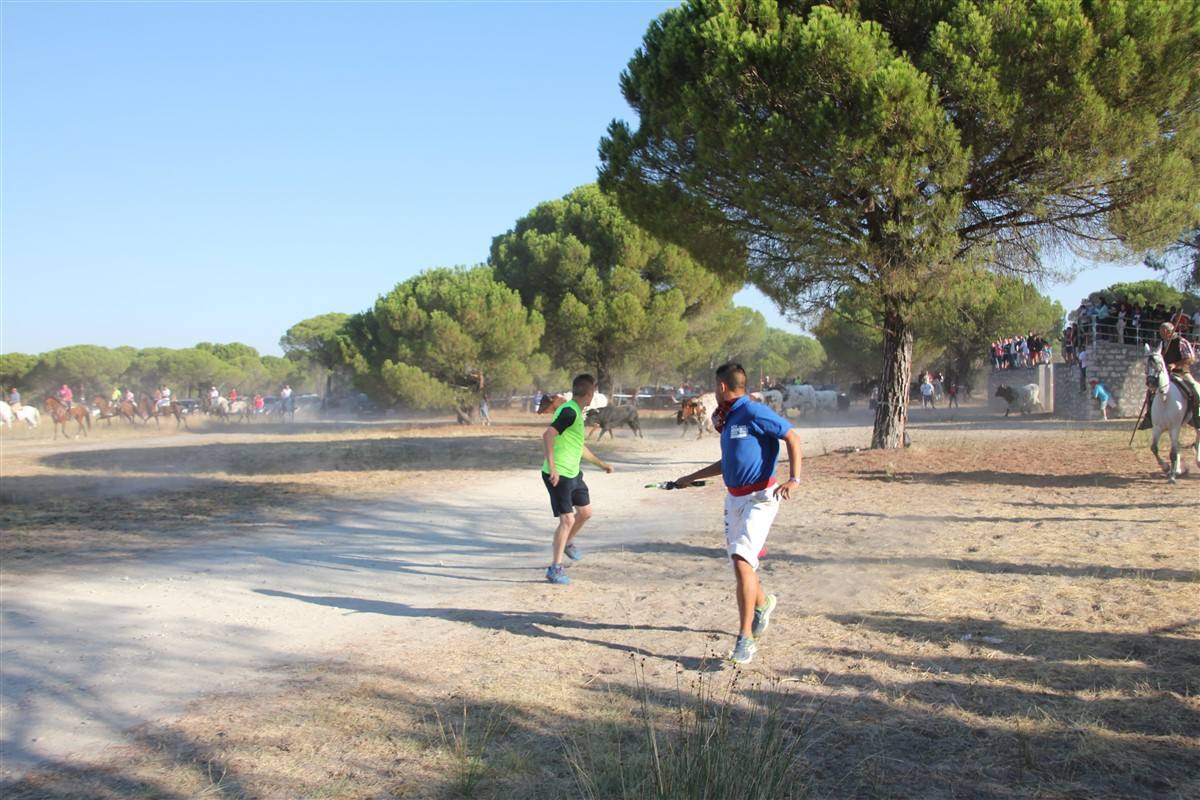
column 569, row 493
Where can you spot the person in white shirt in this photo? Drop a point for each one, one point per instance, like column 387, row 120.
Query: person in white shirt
column 285, row 399
column 927, row 393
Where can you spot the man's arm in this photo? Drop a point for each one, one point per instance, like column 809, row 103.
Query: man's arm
column 792, row 442
column 548, row 437
column 711, row 471
column 593, row 458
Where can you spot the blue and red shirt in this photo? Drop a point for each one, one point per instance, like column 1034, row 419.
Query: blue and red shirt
column 750, row 446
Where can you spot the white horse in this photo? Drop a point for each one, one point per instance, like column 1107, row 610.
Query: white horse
column 6, row 414
column 224, row 409
column 1167, row 411
column 29, row 415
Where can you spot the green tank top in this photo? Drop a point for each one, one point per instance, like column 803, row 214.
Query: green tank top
column 568, row 445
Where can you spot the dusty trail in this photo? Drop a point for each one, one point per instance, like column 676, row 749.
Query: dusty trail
column 92, row 651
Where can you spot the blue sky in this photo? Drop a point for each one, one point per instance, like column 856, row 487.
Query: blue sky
column 184, row 172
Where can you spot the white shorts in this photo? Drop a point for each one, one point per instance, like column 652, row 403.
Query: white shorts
column 747, row 522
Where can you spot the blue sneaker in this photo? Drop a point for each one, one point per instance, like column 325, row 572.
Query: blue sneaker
column 762, row 616
column 556, row 574
column 572, row 552
column 743, row 651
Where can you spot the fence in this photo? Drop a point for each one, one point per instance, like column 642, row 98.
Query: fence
column 1109, row 330
column 1118, row 331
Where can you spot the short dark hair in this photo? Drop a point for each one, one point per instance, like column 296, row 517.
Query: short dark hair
column 732, row 375
column 583, row 384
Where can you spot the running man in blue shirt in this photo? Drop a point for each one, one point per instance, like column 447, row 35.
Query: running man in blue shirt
column 750, row 436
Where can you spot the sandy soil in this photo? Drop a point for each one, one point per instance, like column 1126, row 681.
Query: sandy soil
column 997, row 611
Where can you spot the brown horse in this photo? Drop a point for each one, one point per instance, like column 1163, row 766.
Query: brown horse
column 62, row 415
column 123, row 409
column 148, row 408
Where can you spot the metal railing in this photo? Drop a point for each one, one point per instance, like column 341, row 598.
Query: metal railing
column 1091, row 331
column 1110, row 329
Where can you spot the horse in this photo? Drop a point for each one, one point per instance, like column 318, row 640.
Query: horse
column 224, row 409
column 149, row 408
column 6, row 414
column 29, row 415
column 123, row 409
column 62, row 415
column 1168, row 409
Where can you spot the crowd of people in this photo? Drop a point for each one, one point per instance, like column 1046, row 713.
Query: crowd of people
column 1020, row 351
column 1114, row 319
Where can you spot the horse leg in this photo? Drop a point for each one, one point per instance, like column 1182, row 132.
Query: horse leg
column 1155, row 434
column 1173, row 473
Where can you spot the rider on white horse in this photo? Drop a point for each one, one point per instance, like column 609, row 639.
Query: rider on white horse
column 1178, row 354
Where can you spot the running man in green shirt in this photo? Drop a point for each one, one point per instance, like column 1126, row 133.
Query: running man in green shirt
column 569, row 499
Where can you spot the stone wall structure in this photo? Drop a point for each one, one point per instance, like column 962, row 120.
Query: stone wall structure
column 1122, row 370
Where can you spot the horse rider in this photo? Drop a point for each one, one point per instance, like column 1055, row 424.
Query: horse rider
column 130, row 396
column 14, row 398
column 1178, row 354
column 164, row 399
column 66, row 396
column 115, row 399
column 233, row 395
column 213, row 397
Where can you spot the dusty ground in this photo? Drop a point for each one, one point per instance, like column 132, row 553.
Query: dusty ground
column 999, row 611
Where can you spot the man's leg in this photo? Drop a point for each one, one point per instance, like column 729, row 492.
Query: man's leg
column 1190, row 380
column 582, row 515
column 749, row 594
column 565, row 523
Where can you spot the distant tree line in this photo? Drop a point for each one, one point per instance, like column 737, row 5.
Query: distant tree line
column 189, row 371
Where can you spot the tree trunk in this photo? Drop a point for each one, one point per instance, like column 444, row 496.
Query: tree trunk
column 891, row 416
column 603, row 378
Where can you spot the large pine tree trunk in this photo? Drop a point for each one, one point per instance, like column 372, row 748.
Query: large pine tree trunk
column 891, row 416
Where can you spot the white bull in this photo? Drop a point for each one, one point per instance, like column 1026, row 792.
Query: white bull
column 801, row 396
column 1025, row 399
column 6, row 414
column 825, row 400
column 774, row 399
column 29, row 415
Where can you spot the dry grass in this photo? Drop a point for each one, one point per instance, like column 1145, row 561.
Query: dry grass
column 982, row 616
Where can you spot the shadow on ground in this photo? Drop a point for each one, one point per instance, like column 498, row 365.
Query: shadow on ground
column 289, row 458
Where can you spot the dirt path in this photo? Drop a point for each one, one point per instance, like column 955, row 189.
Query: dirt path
column 91, row 651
